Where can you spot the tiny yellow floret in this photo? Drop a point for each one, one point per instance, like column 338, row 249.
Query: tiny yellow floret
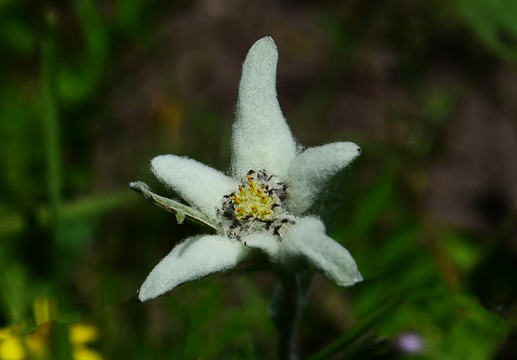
column 253, row 201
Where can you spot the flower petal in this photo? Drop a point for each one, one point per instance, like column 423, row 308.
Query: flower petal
column 310, row 171
column 307, row 239
column 201, row 186
column 194, row 258
column 261, row 138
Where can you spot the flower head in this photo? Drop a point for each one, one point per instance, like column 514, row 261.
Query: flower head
column 265, row 207
column 410, row 343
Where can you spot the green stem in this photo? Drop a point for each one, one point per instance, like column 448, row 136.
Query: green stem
column 288, row 329
column 51, row 125
column 62, row 349
column 286, row 309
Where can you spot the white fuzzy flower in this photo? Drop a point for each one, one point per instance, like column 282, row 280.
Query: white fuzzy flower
column 262, row 207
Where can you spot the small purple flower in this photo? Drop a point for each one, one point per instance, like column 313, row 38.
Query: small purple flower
column 410, row 343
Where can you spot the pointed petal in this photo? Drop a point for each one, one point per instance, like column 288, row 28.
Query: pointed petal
column 307, row 239
column 312, row 169
column 194, row 258
column 261, row 138
column 201, row 186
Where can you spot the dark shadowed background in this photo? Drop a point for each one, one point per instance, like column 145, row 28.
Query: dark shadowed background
column 91, row 90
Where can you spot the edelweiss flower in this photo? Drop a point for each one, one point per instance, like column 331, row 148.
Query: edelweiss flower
column 262, row 207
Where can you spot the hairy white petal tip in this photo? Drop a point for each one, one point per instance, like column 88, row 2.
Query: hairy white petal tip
column 312, row 169
column 307, row 239
column 194, row 258
column 261, row 138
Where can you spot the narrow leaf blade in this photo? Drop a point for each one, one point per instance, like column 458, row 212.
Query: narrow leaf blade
column 181, row 211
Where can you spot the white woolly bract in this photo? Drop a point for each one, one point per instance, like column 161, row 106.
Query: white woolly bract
column 310, row 171
column 201, row 186
column 194, row 258
column 307, row 239
column 261, row 138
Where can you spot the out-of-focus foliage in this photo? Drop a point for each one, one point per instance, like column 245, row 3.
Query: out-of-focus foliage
column 494, row 23
column 92, row 90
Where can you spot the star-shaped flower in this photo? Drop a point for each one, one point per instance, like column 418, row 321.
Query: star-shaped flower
column 265, row 207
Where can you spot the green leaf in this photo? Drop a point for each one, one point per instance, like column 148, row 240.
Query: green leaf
column 181, row 211
column 494, row 24
column 384, row 309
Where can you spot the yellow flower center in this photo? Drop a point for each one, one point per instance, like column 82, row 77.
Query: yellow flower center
column 253, row 200
column 258, row 205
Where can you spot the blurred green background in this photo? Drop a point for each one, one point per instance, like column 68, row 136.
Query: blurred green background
column 91, row 90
